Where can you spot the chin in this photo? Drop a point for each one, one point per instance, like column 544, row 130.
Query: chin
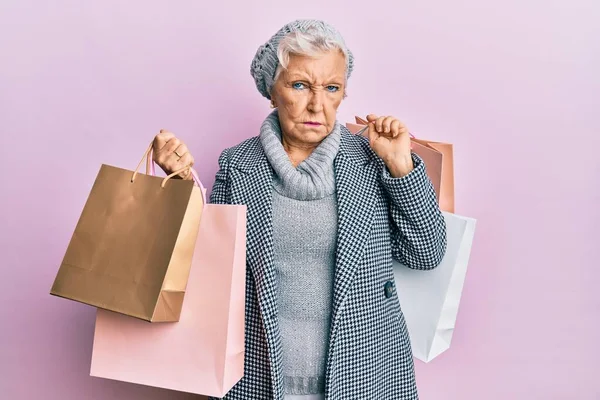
column 309, row 134
column 315, row 136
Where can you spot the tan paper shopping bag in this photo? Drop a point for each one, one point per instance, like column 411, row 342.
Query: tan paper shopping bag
column 132, row 247
column 203, row 353
column 439, row 163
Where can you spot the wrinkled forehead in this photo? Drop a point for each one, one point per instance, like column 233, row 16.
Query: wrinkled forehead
column 321, row 68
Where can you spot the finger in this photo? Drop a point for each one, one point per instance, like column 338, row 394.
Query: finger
column 162, row 138
column 173, row 163
column 387, row 124
column 373, row 135
column 181, row 150
column 403, row 130
column 395, row 127
column 186, row 161
column 372, row 117
column 379, row 124
column 170, row 146
column 166, row 157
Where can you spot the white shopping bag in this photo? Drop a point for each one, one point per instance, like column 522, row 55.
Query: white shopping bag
column 430, row 299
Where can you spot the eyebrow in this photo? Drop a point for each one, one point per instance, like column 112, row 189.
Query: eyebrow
column 303, row 77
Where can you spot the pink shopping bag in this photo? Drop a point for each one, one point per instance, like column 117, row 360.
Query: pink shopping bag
column 203, row 353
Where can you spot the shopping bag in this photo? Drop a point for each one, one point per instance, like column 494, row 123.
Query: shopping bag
column 132, row 248
column 439, row 164
column 203, row 353
column 430, row 299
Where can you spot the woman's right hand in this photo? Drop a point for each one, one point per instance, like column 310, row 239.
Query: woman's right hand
column 171, row 154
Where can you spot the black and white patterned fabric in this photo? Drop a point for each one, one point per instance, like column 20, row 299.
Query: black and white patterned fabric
column 379, row 217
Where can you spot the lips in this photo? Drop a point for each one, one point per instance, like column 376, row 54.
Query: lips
column 311, row 123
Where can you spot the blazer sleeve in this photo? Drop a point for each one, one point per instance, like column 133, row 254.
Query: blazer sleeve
column 220, row 191
column 418, row 228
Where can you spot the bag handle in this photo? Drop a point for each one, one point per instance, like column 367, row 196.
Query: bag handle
column 150, row 170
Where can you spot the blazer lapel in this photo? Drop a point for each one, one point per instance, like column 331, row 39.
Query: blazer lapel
column 252, row 183
column 357, row 184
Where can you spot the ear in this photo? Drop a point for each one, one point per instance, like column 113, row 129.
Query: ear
column 273, row 95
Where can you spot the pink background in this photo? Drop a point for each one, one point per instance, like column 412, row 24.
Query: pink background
column 513, row 84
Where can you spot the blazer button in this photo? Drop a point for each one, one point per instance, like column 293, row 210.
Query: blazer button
column 388, row 289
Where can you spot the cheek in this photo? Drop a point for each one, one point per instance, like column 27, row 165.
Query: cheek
column 331, row 107
column 288, row 113
column 295, row 106
column 334, row 100
column 287, row 100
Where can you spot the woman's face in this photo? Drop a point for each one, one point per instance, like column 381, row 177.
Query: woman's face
column 307, row 96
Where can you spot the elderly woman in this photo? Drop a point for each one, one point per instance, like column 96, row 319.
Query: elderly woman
column 327, row 211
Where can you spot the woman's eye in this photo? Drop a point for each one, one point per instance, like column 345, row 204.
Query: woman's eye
column 298, row 85
column 332, row 88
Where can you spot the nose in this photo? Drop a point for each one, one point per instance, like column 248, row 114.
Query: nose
column 315, row 103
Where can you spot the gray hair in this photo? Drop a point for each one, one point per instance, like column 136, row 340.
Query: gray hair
column 315, row 40
column 306, row 37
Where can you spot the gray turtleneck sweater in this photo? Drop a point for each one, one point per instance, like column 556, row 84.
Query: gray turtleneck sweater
column 304, row 243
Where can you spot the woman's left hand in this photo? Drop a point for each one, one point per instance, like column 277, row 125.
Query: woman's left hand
column 390, row 140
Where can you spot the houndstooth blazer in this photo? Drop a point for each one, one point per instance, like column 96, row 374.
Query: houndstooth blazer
column 379, row 218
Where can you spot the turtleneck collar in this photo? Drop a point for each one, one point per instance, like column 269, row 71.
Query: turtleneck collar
column 314, row 177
